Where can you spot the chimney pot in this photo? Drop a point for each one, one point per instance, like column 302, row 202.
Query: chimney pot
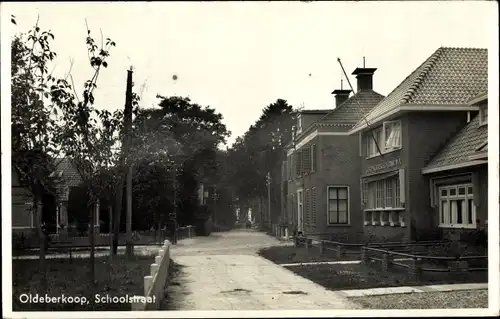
column 364, row 77
column 341, row 96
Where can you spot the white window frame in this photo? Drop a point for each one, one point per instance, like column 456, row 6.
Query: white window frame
column 483, row 115
column 299, row 124
column 348, row 210
column 371, row 147
column 444, row 217
column 386, row 139
column 300, row 209
column 387, row 213
column 368, row 144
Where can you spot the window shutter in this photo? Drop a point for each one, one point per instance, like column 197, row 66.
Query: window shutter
column 306, row 160
column 298, row 163
column 307, row 208
column 402, row 185
column 363, row 186
column 314, row 164
column 313, row 205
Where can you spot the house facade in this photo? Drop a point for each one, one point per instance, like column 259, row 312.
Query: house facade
column 323, row 166
column 56, row 209
column 458, row 178
column 404, row 131
column 22, row 205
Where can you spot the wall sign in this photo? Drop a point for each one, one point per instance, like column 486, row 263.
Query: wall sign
column 383, row 166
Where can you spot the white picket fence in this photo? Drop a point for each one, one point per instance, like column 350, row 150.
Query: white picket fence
column 154, row 284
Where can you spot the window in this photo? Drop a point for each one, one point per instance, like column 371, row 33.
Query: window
column 338, row 205
column 306, row 160
column 313, row 205
column 382, row 200
column 382, row 194
column 384, row 139
column 313, row 158
column 483, row 115
column 290, row 168
column 392, row 135
column 456, row 206
column 374, row 142
column 299, row 124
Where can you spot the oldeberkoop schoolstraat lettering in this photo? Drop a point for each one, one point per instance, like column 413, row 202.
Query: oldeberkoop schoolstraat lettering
column 107, row 299
column 62, row 299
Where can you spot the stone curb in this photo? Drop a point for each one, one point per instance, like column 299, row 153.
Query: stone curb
column 406, row 289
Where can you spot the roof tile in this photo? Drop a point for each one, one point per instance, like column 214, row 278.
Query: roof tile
column 461, row 146
column 450, row 76
column 353, row 109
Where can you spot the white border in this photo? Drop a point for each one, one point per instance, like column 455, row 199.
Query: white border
column 493, row 219
column 5, row 32
column 493, row 192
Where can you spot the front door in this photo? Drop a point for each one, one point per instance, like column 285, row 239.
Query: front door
column 300, row 211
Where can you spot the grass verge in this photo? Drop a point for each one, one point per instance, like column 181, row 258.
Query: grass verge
column 294, row 255
column 170, row 301
column 359, row 276
column 116, row 278
column 426, row 300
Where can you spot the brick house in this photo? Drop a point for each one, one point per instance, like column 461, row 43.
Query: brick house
column 22, row 203
column 56, row 210
column 323, row 165
column 406, row 129
column 458, row 177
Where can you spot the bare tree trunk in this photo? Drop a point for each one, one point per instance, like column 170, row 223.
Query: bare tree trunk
column 110, row 212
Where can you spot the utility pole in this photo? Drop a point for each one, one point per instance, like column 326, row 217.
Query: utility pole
column 128, row 128
column 130, row 242
column 268, row 182
column 122, row 166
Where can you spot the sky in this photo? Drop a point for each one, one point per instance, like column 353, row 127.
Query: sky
column 238, row 57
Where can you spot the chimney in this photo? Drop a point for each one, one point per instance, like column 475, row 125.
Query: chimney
column 364, row 77
column 341, row 96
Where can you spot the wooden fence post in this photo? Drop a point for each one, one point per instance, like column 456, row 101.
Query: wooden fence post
column 339, row 251
column 415, row 269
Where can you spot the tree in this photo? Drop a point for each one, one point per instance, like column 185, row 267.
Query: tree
column 88, row 135
column 186, row 134
column 32, row 122
column 259, row 151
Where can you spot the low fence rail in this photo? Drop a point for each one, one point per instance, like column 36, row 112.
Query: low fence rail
column 418, row 263
column 412, row 255
column 31, row 240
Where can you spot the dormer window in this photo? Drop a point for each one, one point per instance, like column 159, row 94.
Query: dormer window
column 299, row 124
column 483, row 115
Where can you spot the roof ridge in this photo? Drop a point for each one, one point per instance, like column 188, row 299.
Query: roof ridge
column 356, row 95
column 428, row 65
